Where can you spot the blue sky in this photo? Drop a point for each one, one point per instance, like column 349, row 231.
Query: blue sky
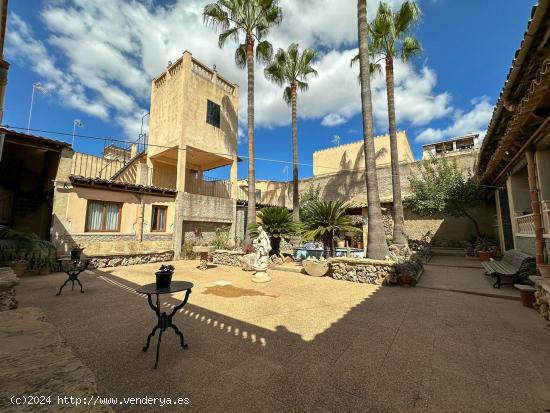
column 81, row 49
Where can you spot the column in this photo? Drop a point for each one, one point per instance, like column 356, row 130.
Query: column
column 177, row 237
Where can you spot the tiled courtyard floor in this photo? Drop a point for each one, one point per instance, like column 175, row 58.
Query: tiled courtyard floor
column 301, row 344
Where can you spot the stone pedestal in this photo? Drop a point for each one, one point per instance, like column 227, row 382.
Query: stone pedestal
column 203, row 251
column 260, row 275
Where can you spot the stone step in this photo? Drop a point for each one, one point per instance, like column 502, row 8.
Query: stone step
column 448, row 251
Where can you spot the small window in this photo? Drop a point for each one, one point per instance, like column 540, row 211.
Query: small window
column 158, row 220
column 213, row 113
column 103, row 216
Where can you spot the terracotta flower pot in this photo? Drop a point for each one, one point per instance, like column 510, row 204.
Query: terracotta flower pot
column 485, row 255
column 527, row 298
column 544, row 270
column 19, row 267
column 43, row 270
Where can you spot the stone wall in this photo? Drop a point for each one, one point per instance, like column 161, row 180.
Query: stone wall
column 200, row 232
column 132, row 259
column 365, row 270
column 8, row 281
column 120, row 244
column 542, row 296
column 361, row 270
column 227, row 257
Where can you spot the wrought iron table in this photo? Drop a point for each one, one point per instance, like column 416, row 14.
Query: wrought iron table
column 73, row 268
column 165, row 320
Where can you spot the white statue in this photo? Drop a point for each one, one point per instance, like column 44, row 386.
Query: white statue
column 262, row 247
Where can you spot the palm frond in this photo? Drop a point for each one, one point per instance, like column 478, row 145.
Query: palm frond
column 406, row 17
column 240, row 56
column 287, row 95
column 264, row 51
column 409, row 48
column 215, row 16
column 293, row 68
column 232, row 34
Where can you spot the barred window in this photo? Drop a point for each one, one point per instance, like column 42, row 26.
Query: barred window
column 213, row 113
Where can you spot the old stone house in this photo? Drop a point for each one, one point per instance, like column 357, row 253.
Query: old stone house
column 142, row 201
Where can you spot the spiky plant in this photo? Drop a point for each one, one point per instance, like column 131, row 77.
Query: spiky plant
column 278, row 223
column 324, row 220
column 246, row 22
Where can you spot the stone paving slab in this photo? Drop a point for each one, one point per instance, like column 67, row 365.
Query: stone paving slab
column 37, row 362
column 304, row 344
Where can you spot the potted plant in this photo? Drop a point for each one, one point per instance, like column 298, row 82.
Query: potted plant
column 76, row 252
column 164, row 276
column 21, row 247
column 484, row 249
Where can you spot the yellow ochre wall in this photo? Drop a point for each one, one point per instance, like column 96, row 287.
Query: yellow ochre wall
column 178, row 109
column 351, row 155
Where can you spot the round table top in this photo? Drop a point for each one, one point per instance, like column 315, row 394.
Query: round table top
column 175, row 286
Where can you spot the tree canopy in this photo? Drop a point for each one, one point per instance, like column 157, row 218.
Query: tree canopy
column 440, row 187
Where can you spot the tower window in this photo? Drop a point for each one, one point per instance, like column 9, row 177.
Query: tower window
column 213, row 113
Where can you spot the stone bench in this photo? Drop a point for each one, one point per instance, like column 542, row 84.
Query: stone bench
column 37, row 361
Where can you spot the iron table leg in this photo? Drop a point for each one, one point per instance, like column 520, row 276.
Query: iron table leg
column 164, row 321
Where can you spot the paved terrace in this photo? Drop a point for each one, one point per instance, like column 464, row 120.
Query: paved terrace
column 304, row 344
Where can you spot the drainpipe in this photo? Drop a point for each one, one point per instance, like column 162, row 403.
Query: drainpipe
column 535, row 205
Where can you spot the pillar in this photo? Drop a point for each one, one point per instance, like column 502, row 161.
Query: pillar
column 177, row 237
column 535, row 205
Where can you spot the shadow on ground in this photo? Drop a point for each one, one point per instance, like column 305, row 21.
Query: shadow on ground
column 398, row 350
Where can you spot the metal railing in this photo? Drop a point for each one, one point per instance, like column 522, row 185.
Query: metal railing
column 209, row 187
column 92, row 166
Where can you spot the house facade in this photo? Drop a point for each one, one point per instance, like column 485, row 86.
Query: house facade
column 514, row 160
column 144, row 200
column 451, row 147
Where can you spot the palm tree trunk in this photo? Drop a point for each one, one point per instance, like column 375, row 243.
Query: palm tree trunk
column 376, row 244
column 328, row 244
column 251, row 213
column 295, row 193
column 399, row 236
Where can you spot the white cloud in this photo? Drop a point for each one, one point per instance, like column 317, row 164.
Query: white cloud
column 108, row 52
column 22, row 46
column 333, row 119
column 474, row 121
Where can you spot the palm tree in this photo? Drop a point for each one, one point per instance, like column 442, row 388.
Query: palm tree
column 376, row 243
column 390, row 39
column 324, row 220
column 252, row 19
column 292, row 68
column 278, row 223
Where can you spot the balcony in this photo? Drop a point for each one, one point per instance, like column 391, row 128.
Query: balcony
column 525, row 224
column 208, row 186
